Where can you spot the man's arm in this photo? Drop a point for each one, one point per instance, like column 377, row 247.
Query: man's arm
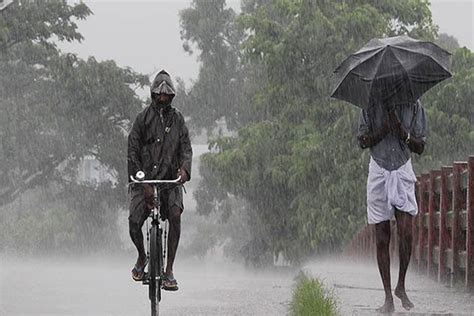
column 415, row 143
column 134, row 147
column 185, row 153
column 368, row 138
column 371, row 139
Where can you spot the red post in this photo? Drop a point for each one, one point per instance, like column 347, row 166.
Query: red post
column 432, row 207
column 364, row 241
column 415, row 228
column 369, row 241
column 414, row 239
column 373, row 250
column 470, row 226
column 422, row 238
column 445, row 204
column 458, row 168
column 358, row 245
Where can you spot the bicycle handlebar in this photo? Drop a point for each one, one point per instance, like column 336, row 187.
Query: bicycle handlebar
column 154, row 181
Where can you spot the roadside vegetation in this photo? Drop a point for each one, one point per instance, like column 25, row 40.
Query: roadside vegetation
column 310, row 297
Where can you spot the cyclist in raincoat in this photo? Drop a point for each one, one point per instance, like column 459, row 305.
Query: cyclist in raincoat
column 158, row 145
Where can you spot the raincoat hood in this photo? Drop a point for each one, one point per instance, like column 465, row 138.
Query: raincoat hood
column 163, row 84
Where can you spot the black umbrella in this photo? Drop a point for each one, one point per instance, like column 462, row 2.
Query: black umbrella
column 390, row 71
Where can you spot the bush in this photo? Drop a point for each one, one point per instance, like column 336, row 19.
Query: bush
column 47, row 221
column 311, row 298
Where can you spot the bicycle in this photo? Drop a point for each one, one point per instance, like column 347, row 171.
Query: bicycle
column 155, row 250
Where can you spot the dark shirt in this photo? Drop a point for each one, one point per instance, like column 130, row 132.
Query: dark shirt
column 159, row 144
column 391, row 152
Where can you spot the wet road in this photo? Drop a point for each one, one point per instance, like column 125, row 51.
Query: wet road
column 359, row 289
column 104, row 287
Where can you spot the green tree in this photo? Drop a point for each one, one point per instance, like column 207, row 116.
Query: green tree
column 58, row 109
column 451, row 115
column 296, row 161
column 211, row 27
column 448, row 42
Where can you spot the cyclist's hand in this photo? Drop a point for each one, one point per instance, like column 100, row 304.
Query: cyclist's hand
column 183, row 174
column 140, row 176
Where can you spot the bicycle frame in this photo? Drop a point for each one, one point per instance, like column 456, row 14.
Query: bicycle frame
column 155, row 252
column 156, row 197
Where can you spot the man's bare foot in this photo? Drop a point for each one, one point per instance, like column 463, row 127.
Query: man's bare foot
column 387, row 307
column 402, row 295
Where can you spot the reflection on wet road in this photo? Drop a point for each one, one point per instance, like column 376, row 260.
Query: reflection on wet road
column 104, row 287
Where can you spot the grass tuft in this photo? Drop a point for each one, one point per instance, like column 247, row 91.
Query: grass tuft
column 310, row 297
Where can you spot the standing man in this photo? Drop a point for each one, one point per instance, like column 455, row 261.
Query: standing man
column 392, row 137
column 158, row 145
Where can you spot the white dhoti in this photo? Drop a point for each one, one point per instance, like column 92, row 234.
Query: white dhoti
column 387, row 190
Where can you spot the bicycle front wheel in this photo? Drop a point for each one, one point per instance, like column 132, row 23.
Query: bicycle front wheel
column 153, row 271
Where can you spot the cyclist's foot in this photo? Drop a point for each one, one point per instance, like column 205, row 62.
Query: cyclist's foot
column 170, row 283
column 138, row 272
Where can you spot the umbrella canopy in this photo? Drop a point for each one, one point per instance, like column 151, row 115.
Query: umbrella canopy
column 390, row 71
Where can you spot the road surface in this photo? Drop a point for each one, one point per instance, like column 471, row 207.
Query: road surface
column 104, row 287
column 359, row 289
column 93, row 286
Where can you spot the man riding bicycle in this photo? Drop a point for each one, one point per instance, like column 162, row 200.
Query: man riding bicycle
column 159, row 145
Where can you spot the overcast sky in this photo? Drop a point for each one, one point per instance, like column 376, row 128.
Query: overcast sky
column 145, row 34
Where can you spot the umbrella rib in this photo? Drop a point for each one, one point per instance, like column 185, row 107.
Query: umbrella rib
column 366, row 60
column 351, row 69
column 406, row 73
column 378, row 69
column 382, row 50
column 360, row 62
column 373, row 49
column 426, row 55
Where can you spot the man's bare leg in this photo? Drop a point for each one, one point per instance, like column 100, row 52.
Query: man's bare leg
column 137, row 238
column 174, row 218
column 140, row 203
column 404, row 227
column 382, row 236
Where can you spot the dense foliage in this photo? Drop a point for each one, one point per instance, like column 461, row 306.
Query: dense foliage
column 295, row 160
column 57, row 109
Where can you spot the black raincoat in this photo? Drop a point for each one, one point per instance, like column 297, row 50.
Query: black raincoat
column 159, row 145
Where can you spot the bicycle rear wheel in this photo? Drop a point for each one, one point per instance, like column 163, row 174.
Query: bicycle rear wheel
column 153, row 271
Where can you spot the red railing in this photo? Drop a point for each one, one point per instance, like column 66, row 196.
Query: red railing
column 443, row 231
